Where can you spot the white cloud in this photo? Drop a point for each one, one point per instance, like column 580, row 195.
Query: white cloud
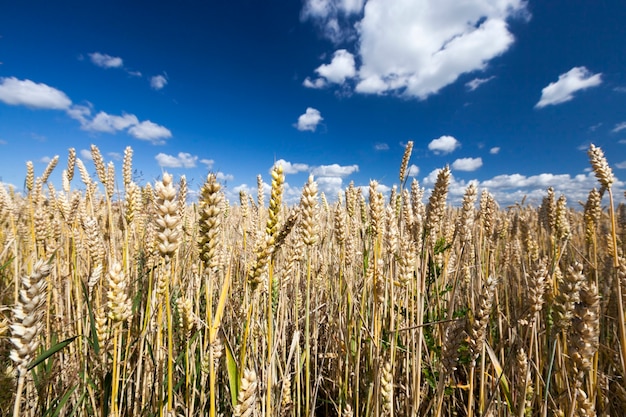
column 36, row 95
column 477, row 82
column 467, row 164
column 324, row 8
column 417, row 48
column 183, row 160
column 413, row 170
column 331, row 186
column 106, row 61
column 220, row 176
column 619, row 127
column 86, row 154
column 80, row 113
column 513, row 188
column 341, row 67
column 289, row 168
column 45, row 159
column 561, row 91
column 151, row 132
column 334, row 170
column 495, row 150
column 381, row 147
column 109, row 123
column 115, row 155
column 207, row 162
column 104, row 122
column 309, row 120
column 333, row 17
column 317, row 83
column 158, row 82
column 443, row 145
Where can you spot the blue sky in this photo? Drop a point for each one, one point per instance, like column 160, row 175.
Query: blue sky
column 508, row 93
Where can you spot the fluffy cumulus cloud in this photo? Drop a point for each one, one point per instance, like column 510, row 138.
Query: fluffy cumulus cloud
column 27, row 93
column 513, row 188
column 477, row 82
column 309, row 120
column 35, row 95
column 444, row 144
column 341, row 67
column 467, row 164
column 110, row 123
column 413, row 170
column 416, row 48
column 291, row 168
column 151, row 132
column 182, row 160
column 333, row 17
column 106, row 61
column 334, row 170
column 562, row 90
column 495, row 150
column 158, row 82
column 330, row 186
column 330, row 177
column 104, row 122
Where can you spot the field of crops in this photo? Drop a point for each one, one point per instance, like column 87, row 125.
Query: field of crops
column 125, row 300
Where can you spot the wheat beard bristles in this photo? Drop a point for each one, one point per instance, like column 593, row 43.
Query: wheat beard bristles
column 27, row 316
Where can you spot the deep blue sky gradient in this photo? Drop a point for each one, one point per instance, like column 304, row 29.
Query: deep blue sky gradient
column 235, row 91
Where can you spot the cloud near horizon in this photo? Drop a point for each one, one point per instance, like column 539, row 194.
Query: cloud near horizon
column 182, row 160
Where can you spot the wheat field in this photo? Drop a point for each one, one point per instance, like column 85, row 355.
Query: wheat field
column 125, row 300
